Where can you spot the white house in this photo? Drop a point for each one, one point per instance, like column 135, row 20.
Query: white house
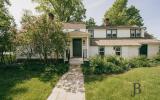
column 125, row 41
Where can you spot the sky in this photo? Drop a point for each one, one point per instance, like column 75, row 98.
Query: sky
column 97, row 8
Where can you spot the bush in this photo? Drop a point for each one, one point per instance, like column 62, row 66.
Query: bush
column 156, row 59
column 141, row 61
column 105, row 65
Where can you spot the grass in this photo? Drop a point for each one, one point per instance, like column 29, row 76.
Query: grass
column 120, row 86
column 31, row 82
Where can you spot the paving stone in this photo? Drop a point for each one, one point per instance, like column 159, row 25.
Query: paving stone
column 71, row 85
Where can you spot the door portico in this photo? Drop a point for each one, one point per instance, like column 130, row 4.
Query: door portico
column 78, row 44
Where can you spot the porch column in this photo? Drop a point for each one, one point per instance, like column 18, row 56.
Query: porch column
column 88, row 47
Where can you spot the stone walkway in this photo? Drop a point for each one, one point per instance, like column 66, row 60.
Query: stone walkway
column 71, row 85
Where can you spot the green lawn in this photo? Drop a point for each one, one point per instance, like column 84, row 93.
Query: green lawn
column 33, row 82
column 120, row 87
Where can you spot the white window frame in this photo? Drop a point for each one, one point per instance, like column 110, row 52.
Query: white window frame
column 118, row 49
column 91, row 31
column 99, row 50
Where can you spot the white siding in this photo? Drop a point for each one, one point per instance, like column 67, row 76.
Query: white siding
column 127, row 51
column 70, row 30
column 130, row 51
column 152, row 50
column 99, row 33
column 93, row 50
column 109, row 51
column 123, row 32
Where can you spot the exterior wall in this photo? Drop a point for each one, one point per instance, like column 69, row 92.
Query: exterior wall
column 121, row 33
column 93, row 50
column 152, row 50
column 130, row 51
column 70, row 30
column 126, row 51
column 99, row 33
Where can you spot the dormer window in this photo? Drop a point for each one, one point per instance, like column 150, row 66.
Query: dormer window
column 91, row 31
column 135, row 33
column 111, row 33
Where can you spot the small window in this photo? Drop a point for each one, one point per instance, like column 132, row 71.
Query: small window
column 101, row 51
column 135, row 33
column 109, row 33
column 112, row 33
column 117, row 51
column 138, row 33
column 91, row 31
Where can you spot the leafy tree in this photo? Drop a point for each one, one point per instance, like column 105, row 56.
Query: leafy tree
column 7, row 29
column 120, row 14
column 64, row 10
column 90, row 23
column 133, row 16
column 42, row 36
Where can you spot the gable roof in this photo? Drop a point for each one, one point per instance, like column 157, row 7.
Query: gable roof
column 122, row 42
column 74, row 26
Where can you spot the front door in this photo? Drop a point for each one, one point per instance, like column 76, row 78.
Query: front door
column 77, row 47
column 144, row 50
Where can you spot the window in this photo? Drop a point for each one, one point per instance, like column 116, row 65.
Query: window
column 117, row 51
column 91, row 31
column 135, row 33
column 101, row 51
column 112, row 33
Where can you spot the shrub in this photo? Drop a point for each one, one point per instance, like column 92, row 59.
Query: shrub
column 141, row 61
column 156, row 59
column 106, row 64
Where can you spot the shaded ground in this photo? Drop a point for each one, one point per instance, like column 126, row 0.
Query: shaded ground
column 27, row 82
column 120, row 87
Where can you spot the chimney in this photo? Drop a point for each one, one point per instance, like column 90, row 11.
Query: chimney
column 51, row 16
column 107, row 22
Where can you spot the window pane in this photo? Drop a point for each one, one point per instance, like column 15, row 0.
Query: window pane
column 118, row 53
column 101, row 49
column 132, row 31
column 101, row 53
column 114, row 31
column 91, row 32
column 108, row 31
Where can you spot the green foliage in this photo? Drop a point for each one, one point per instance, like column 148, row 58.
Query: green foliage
column 41, row 35
column 90, row 23
column 120, row 86
column 7, row 30
column 141, row 61
column 106, row 65
column 27, row 82
column 120, row 14
column 64, row 10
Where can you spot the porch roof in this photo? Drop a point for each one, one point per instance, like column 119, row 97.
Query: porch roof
column 122, row 42
column 78, row 34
